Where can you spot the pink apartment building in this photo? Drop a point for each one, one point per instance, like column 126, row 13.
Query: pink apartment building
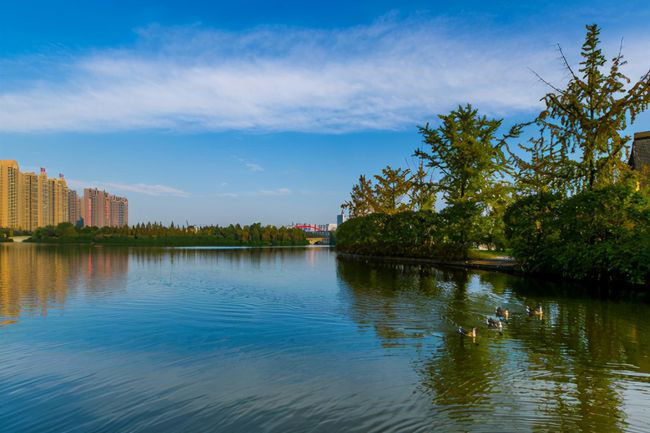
column 101, row 209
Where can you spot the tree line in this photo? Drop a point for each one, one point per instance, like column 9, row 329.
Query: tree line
column 157, row 234
column 566, row 192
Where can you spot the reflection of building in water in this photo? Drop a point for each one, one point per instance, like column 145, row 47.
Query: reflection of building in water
column 38, row 278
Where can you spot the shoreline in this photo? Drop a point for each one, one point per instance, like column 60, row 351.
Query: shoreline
column 506, row 265
column 509, row 266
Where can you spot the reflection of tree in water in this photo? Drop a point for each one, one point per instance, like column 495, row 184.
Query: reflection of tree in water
column 566, row 372
column 390, row 300
column 582, row 347
column 460, row 375
column 235, row 258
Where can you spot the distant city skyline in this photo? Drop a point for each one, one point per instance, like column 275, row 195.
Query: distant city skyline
column 30, row 200
column 269, row 111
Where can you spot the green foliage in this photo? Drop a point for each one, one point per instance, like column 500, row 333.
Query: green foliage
column 530, row 227
column 362, row 199
column 581, row 143
column 601, row 234
column 467, row 158
column 391, row 189
column 422, row 194
column 6, row 234
column 573, row 209
column 422, row 234
column 155, row 234
column 465, row 152
column 389, row 193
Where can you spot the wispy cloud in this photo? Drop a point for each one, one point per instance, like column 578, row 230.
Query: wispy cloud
column 139, row 188
column 257, row 193
column 254, row 167
column 279, row 191
column 388, row 75
column 250, row 166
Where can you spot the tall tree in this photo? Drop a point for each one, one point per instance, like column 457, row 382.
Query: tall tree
column 391, row 190
column 547, row 166
column 362, row 201
column 465, row 154
column 587, row 118
column 422, row 195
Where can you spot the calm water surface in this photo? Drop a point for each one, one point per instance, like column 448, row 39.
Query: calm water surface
column 284, row 340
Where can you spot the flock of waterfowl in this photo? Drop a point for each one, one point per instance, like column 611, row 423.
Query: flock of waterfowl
column 502, row 317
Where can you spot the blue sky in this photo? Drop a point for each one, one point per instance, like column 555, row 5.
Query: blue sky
column 268, row 111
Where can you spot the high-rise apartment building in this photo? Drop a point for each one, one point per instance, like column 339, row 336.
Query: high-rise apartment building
column 119, row 211
column 58, row 190
column 100, row 209
column 9, row 193
column 94, row 207
column 29, row 201
column 74, row 207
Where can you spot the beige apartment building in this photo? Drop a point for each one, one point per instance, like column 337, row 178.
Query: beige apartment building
column 74, row 206
column 9, row 184
column 29, row 201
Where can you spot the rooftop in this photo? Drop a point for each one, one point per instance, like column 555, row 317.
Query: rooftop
column 640, row 155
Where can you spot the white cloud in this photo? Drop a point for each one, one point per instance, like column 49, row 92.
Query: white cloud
column 279, row 191
column 140, row 188
column 388, row 75
column 254, row 167
column 258, row 193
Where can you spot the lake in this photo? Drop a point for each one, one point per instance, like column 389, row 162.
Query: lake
column 99, row 339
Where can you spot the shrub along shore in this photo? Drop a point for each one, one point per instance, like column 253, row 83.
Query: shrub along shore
column 571, row 200
column 254, row 235
column 601, row 235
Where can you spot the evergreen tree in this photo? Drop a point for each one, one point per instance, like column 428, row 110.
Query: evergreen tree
column 588, row 118
column 422, row 194
column 391, row 189
column 465, row 154
column 362, row 200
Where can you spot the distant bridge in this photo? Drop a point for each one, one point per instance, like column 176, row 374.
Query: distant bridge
column 19, row 238
column 306, row 227
column 315, row 235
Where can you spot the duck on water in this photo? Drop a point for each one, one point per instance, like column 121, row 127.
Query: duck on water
column 502, row 313
column 465, row 333
column 494, row 324
column 536, row 312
